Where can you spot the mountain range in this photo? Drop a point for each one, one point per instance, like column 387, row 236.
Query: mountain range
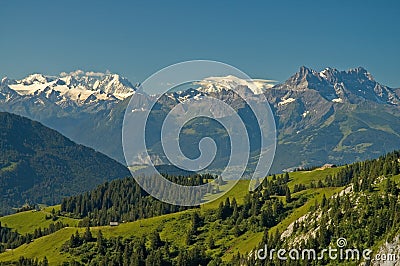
column 328, row 116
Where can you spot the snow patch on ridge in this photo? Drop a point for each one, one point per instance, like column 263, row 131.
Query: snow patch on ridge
column 338, row 100
column 77, row 86
column 286, row 101
column 216, row 84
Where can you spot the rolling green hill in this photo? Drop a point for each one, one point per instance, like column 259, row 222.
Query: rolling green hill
column 28, row 221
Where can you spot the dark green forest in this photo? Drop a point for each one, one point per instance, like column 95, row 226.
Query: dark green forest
column 39, row 165
column 123, row 200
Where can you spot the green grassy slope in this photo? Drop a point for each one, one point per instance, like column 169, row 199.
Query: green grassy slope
column 307, row 177
column 48, row 246
column 28, row 221
column 170, row 226
column 239, row 191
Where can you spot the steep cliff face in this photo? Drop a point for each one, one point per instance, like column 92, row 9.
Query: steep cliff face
column 389, row 253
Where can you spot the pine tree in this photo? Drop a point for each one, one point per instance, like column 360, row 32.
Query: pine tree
column 235, row 212
column 87, row 237
column 288, row 195
column 324, row 201
column 395, row 168
column 195, row 220
column 75, row 240
column 220, row 211
column 190, row 235
column 101, row 247
column 155, row 240
column 286, row 178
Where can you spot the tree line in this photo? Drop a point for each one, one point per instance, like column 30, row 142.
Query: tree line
column 124, row 200
column 10, row 239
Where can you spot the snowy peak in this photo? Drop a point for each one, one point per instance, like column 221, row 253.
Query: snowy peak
column 4, row 81
column 221, row 87
column 353, row 85
column 107, row 83
column 116, row 85
column 217, row 84
column 305, row 78
column 328, row 73
column 333, row 75
column 35, row 79
column 76, row 87
column 305, row 73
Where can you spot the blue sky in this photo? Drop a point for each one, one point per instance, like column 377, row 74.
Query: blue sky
column 136, row 38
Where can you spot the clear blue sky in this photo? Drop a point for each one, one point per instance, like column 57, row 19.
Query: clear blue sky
column 264, row 39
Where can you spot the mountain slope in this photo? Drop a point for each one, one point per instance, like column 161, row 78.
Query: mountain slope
column 39, row 165
column 333, row 116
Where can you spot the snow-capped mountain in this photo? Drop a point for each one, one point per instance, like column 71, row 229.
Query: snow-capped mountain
column 218, row 87
column 351, row 86
column 70, row 89
column 308, row 97
column 87, row 107
column 217, row 84
column 333, row 116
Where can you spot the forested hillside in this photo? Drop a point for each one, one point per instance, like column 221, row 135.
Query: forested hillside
column 39, row 165
column 123, row 200
column 365, row 214
column 304, row 209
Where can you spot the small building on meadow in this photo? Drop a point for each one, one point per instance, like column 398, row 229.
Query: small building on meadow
column 114, row 223
column 328, row 165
